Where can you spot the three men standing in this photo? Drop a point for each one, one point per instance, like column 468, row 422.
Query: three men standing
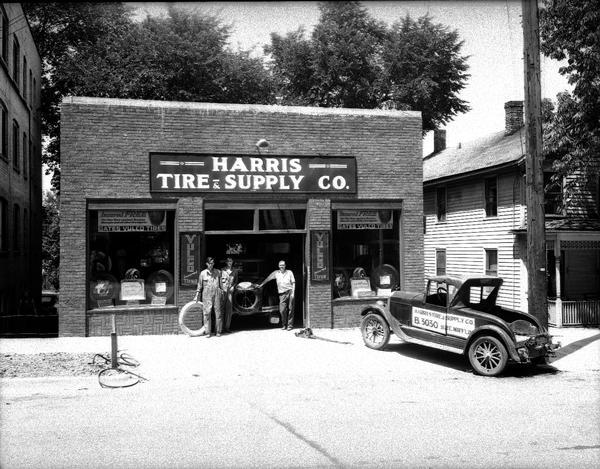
column 215, row 288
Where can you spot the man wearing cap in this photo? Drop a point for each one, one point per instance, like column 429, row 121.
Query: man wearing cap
column 285, row 287
column 208, row 286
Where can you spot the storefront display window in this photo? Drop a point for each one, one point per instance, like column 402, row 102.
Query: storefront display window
column 130, row 257
column 366, row 252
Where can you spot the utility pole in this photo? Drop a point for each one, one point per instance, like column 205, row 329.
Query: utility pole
column 534, row 175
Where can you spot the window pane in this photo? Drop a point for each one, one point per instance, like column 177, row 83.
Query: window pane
column 216, row 220
column 552, row 195
column 491, row 262
column 130, row 257
column 440, row 262
column 491, row 197
column 441, row 203
column 281, row 219
column 366, row 252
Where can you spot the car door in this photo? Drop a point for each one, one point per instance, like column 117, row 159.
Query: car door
column 428, row 320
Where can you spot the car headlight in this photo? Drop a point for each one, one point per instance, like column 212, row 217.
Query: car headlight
column 524, row 328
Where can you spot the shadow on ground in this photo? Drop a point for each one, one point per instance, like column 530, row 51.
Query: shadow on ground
column 461, row 363
column 574, row 346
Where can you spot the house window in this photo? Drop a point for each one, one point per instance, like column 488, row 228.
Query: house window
column 3, row 225
column 491, row 197
column 3, row 132
column 552, row 195
column 25, row 230
column 4, row 26
column 24, row 77
column 25, row 155
column 440, row 262
column 17, row 228
column 16, row 61
column 491, row 262
column 440, row 203
column 15, row 148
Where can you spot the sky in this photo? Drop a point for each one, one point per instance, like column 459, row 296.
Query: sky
column 491, row 31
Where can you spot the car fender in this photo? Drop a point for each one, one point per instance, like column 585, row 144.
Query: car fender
column 506, row 339
column 374, row 308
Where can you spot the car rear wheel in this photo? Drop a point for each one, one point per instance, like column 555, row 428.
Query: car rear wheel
column 375, row 331
column 488, row 356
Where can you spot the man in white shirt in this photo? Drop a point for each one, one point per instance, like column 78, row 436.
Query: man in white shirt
column 285, row 287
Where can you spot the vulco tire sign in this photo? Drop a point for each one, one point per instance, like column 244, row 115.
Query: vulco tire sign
column 224, row 173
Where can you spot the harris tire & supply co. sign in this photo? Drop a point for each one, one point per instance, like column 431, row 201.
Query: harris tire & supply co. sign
column 257, row 174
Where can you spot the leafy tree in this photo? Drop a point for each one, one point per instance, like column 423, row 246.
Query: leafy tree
column 181, row 57
column 352, row 60
column 570, row 31
column 50, row 240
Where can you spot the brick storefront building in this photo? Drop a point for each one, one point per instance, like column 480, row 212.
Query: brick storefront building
column 150, row 188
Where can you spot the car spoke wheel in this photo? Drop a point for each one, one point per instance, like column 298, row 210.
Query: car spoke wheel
column 488, row 356
column 375, row 331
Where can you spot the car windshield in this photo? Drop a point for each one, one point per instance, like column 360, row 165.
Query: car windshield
column 438, row 292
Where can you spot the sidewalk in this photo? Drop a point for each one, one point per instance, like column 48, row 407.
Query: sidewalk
column 176, row 356
column 565, row 336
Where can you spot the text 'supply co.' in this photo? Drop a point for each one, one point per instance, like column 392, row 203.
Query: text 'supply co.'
column 200, row 173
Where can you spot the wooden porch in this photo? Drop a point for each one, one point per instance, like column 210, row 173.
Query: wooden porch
column 573, row 313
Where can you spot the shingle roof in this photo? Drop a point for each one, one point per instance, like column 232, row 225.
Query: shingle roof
column 493, row 150
column 567, row 224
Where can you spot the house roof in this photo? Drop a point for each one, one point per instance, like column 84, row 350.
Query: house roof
column 492, row 151
column 566, row 224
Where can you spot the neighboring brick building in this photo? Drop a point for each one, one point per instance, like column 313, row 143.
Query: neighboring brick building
column 20, row 172
column 157, row 186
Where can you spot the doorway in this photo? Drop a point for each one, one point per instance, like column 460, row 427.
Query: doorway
column 256, row 256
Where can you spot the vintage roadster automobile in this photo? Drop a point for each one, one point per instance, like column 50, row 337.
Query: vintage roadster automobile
column 460, row 315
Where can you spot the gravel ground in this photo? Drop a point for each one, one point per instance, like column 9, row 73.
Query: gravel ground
column 14, row 365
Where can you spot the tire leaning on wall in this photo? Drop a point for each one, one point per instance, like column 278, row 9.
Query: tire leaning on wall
column 185, row 310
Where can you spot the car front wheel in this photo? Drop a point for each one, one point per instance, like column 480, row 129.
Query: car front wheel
column 375, row 331
column 488, row 356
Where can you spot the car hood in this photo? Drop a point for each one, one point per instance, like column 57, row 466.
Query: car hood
column 407, row 296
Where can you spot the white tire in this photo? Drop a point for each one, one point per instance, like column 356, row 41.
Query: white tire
column 187, row 308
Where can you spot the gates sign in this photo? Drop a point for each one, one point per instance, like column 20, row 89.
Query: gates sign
column 259, row 174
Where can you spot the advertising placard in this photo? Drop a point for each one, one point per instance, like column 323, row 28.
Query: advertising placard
column 429, row 319
column 122, row 221
column 319, row 249
column 189, row 259
column 171, row 172
column 133, row 290
column 365, row 219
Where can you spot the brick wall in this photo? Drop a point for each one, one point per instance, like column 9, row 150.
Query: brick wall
column 319, row 294
column 105, row 155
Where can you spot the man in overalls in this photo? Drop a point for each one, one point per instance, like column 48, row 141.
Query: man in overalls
column 229, row 277
column 208, row 286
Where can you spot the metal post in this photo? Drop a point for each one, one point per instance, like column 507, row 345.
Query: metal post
column 113, row 344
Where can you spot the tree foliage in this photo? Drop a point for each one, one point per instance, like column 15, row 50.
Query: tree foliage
column 95, row 49
column 570, row 31
column 50, row 240
column 352, row 60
